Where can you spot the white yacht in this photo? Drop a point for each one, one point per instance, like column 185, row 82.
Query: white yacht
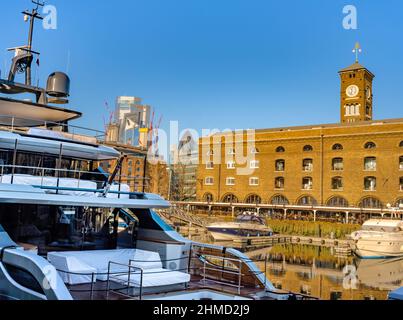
column 379, row 238
column 69, row 230
column 248, row 224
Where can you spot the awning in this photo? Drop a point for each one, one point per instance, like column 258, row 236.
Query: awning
column 28, row 114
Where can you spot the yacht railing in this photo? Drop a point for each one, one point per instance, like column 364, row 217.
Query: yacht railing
column 126, row 286
column 75, row 131
column 58, row 174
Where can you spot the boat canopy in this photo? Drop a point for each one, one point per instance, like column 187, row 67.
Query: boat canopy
column 19, row 113
column 52, row 146
column 397, row 294
column 383, row 224
column 251, row 218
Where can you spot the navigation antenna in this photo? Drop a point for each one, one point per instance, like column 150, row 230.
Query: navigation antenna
column 24, row 55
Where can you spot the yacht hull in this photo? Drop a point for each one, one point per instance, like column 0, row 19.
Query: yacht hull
column 229, row 232
column 374, row 249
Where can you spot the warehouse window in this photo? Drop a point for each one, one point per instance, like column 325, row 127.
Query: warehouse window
column 370, row 202
column 307, row 183
column 307, row 165
column 337, row 147
column 308, row 148
column 401, row 144
column 279, row 183
column 370, row 164
column 253, row 198
column 337, row 202
column 370, row 145
column 254, row 164
column 280, row 200
column 369, row 183
column 253, row 181
column 307, row 201
column 401, row 163
column 230, row 165
column 208, row 197
column 230, row 198
column 210, row 165
column 280, row 165
column 230, row 181
column 401, row 184
column 337, row 164
column 337, row 183
column 209, row 181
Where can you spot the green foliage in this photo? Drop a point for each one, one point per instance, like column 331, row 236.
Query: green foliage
column 313, row 229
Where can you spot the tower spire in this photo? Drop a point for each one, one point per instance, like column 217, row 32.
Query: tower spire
column 357, row 50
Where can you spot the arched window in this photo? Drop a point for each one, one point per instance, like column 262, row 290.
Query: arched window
column 279, row 200
column 307, row 183
column 208, row 197
column 280, row 149
column 307, row 201
column 370, row 145
column 230, row 198
column 279, row 183
column 370, row 184
column 337, row 202
column 253, row 198
column 370, row 202
column 337, row 183
column 308, row 148
column 337, row 147
column 337, row 164
column 280, row 165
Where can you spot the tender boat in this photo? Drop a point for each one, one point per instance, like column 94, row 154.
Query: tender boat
column 379, row 238
column 247, row 224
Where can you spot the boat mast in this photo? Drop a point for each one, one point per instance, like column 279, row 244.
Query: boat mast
column 33, row 15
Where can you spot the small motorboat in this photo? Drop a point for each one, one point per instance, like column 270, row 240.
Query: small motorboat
column 248, row 224
column 379, row 238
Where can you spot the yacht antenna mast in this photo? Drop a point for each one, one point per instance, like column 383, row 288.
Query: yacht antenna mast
column 32, row 16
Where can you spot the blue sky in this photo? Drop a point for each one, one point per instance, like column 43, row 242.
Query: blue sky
column 216, row 63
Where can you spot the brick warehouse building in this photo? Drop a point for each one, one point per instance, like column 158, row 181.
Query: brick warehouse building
column 358, row 162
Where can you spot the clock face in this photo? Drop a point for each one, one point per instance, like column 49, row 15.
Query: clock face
column 352, row 91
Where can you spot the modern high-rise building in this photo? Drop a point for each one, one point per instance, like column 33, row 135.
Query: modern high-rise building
column 131, row 122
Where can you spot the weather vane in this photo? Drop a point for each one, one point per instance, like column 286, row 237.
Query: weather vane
column 357, row 50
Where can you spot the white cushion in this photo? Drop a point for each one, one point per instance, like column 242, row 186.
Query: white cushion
column 77, row 272
column 153, row 278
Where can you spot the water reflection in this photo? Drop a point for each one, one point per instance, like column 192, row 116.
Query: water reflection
column 319, row 272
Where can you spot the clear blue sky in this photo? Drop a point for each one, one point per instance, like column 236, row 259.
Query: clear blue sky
column 216, row 63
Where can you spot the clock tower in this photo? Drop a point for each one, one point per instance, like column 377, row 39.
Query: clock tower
column 356, row 92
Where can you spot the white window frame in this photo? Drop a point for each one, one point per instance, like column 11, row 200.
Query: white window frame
column 231, row 165
column 254, row 164
column 209, row 183
column 228, row 183
column 254, row 179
